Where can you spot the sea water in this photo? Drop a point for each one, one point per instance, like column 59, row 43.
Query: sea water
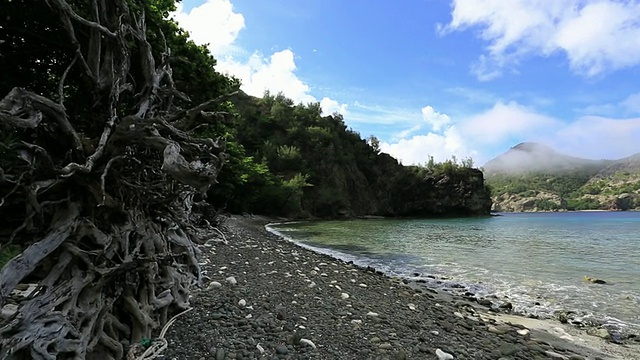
column 535, row 261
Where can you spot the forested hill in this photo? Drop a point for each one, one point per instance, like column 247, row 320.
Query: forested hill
column 288, row 159
column 534, row 177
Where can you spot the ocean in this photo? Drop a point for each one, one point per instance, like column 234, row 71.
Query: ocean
column 535, row 261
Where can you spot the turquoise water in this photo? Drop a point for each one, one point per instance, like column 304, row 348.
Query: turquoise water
column 536, row 261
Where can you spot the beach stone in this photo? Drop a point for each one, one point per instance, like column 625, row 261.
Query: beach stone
column 506, row 306
column 385, row 346
column 220, row 354
column 443, row 355
column 507, row 349
column 231, row 280
column 555, row 355
column 214, row 285
column 536, row 347
column 282, row 349
column 601, row 333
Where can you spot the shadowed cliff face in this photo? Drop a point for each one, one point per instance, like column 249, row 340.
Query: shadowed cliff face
column 460, row 193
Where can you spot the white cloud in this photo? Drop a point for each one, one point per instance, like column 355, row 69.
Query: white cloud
column 434, row 118
column 632, row 103
column 505, row 121
column 597, row 36
column 417, row 149
column 404, row 133
column 599, row 137
column 489, row 133
column 215, row 23
column 330, row 106
column 276, row 74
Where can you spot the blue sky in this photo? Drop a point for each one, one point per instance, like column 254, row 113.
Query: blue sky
column 469, row 78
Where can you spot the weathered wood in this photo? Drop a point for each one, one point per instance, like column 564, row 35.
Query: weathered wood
column 106, row 235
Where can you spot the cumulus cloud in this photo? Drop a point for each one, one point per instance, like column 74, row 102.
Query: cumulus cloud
column 598, row 137
column 330, row 106
column 213, row 23
column 216, row 24
column 485, row 135
column 596, row 36
column 275, row 73
column 435, row 119
column 441, row 140
column 417, row 149
column 505, row 121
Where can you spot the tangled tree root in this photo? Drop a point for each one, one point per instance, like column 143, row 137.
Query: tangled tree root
column 106, row 232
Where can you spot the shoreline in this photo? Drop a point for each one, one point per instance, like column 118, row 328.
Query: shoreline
column 617, row 331
column 281, row 293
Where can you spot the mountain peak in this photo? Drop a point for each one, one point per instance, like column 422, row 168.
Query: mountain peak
column 534, row 157
column 532, row 147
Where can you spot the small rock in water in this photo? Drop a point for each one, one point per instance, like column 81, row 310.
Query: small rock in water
column 523, row 332
column 363, row 285
column 372, row 314
column 411, row 306
column 242, row 303
column 260, row 349
column 231, row 280
column 443, row 355
column 344, row 296
column 435, row 332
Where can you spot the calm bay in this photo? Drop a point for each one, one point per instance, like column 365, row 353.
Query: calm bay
column 535, row 261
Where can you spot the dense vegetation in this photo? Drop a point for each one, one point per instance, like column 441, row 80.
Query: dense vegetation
column 113, row 128
column 567, row 184
column 288, row 159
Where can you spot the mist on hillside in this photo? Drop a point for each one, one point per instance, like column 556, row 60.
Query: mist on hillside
column 536, row 157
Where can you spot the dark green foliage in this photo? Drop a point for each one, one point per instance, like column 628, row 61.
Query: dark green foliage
column 7, row 253
column 583, row 204
column 344, row 175
column 525, row 183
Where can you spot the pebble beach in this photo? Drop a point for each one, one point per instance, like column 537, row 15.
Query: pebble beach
column 267, row 298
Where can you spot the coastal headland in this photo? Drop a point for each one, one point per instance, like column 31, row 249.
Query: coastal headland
column 266, row 298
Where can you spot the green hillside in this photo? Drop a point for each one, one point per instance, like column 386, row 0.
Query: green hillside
column 534, row 177
column 288, row 159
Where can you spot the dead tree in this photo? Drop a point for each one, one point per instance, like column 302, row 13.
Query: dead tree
column 104, row 225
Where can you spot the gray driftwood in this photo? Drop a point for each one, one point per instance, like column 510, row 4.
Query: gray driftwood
column 106, row 229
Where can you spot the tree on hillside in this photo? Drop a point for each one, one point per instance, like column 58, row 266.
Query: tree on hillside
column 103, row 168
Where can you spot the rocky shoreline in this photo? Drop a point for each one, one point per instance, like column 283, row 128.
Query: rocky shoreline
column 267, row 298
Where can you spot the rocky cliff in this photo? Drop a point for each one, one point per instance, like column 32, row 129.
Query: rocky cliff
column 460, row 193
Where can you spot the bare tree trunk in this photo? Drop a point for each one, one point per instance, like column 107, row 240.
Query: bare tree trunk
column 106, row 231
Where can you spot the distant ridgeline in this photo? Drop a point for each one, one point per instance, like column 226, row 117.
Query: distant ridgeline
column 289, row 160
column 534, row 177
